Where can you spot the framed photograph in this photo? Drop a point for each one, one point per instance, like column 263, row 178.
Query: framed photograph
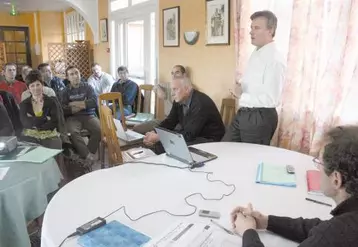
column 217, row 22
column 103, row 30
column 171, row 27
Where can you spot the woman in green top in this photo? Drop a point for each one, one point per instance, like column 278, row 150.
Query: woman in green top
column 39, row 114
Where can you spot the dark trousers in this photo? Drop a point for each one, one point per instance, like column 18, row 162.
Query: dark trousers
column 91, row 123
column 252, row 125
column 159, row 149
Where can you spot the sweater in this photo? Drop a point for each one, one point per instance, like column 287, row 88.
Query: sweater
column 83, row 93
column 198, row 118
column 339, row 231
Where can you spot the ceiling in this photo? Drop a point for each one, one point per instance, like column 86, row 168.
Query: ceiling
column 34, row 5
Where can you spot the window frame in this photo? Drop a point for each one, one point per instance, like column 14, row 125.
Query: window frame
column 74, row 27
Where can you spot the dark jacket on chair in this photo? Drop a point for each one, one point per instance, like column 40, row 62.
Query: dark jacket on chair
column 6, row 128
column 201, row 120
column 12, row 110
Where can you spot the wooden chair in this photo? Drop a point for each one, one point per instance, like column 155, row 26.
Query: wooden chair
column 148, row 89
column 110, row 137
column 228, row 109
column 111, row 98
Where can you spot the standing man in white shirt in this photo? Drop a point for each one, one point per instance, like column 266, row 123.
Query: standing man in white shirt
column 100, row 81
column 260, row 89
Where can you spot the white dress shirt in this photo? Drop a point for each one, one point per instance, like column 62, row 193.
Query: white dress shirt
column 263, row 78
column 102, row 84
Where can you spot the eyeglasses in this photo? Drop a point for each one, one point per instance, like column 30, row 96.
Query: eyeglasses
column 317, row 162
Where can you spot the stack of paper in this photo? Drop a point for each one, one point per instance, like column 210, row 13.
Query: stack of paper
column 275, row 175
column 30, row 154
column 194, row 234
column 3, row 171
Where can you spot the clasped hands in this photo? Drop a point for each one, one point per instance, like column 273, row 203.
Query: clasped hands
column 77, row 106
column 245, row 218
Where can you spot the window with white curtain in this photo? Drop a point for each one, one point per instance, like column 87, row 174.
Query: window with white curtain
column 75, row 27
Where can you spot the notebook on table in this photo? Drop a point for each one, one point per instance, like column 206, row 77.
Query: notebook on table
column 275, row 175
column 141, row 117
column 113, row 234
column 313, row 184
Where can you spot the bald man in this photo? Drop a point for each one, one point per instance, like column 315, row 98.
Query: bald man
column 196, row 114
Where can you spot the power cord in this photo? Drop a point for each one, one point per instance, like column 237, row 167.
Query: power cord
column 163, row 210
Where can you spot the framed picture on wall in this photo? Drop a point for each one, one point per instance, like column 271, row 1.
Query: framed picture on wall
column 103, row 30
column 217, row 22
column 171, row 27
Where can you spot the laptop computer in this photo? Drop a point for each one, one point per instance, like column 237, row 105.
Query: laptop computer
column 175, row 146
column 128, row 136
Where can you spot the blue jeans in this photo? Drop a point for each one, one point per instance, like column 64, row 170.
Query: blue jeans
column 127, row 111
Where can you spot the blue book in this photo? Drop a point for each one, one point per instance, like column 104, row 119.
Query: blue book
column 113, row 234
column 275, row 175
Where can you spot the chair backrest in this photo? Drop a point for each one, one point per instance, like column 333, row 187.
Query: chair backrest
column 148, row 89
column 110, row 136
column 228, row 106
column 111, row 98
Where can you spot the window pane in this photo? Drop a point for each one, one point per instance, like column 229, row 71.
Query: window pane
column 118, row 4
column 135, row 55
column 138, row 1
column 21, row 47
column 121, row 45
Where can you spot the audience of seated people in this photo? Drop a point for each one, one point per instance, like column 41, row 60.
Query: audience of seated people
column 195, row 112
column 6, row 128
column 51, row 81
column 338, row 167
column 99, row 80
column 26, row 94
column 79, row 104
column 39, row 114
column 10, row 84
column 162, row 92
column 128, row 89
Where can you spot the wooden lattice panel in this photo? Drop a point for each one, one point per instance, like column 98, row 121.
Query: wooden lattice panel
column 62, row 55
column 2, row 56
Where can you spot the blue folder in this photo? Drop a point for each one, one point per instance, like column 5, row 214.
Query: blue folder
column 113, row 234
column 275, row 175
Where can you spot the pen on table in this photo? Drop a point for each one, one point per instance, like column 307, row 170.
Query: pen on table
column 318, row 202
column 139, row 152
column 220, row 226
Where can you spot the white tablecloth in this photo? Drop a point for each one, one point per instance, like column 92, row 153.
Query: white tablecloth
column 145, row 188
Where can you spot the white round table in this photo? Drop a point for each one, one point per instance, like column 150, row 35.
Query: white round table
column 144, row 188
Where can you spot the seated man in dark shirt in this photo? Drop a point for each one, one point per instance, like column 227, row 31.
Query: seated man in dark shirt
column 338, row 166
column 128, row 89
column 194, row 111
column 79, row 104
column 6, row 128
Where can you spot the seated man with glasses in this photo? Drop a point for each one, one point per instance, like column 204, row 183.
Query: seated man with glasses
column 338, row 166
column 128, row 89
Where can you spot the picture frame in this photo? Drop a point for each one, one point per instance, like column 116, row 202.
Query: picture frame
column 217, row 22
column 171, row 27
column 103, row 30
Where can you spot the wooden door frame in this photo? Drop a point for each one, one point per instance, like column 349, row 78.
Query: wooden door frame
column 27, row 39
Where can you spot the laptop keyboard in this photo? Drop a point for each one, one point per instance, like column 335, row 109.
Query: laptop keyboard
column 197, row 158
